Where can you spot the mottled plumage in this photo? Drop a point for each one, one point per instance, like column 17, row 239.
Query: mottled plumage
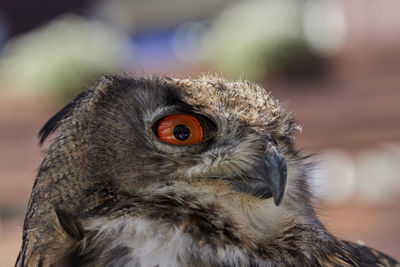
column 110, row 193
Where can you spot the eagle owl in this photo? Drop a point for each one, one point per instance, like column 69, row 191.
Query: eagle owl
column 150, row 171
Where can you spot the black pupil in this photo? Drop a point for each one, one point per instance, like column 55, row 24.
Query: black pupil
column 181, row 132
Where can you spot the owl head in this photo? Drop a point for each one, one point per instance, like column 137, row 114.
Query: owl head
column 165, row 147
column 154, row 171
column 142, row 135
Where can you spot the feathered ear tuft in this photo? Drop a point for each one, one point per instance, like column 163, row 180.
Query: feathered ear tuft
column 55, row 121
column 100, row 88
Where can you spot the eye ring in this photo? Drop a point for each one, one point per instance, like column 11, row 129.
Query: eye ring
column 179, row 129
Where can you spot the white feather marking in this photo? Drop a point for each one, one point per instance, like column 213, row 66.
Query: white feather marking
column 163, row 244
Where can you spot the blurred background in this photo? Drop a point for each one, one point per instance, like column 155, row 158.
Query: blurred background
column 335, row 63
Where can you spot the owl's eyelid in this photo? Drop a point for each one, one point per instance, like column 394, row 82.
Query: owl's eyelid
column 159, row 113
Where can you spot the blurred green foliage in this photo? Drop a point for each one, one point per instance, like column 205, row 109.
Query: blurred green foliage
column 63, row 57
column 254, row 38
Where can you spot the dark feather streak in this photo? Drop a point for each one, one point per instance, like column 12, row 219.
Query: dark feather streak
column 70, row 225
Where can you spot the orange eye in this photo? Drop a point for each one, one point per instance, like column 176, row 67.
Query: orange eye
column 180, row 129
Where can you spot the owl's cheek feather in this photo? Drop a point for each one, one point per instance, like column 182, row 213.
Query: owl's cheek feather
column 244, row 170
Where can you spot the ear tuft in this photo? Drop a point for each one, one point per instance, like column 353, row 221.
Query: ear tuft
column 55, row 121
column 100, row 88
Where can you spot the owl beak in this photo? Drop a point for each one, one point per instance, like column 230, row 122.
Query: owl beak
column 268, row 178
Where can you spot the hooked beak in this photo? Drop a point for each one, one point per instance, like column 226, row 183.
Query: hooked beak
column 267, row 178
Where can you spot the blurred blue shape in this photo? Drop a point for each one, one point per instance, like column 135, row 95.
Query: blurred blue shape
column 4, row 32
column 154, row 48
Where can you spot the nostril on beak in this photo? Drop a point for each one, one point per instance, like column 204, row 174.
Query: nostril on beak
column 271, row 140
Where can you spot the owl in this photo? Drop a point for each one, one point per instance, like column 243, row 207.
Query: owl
column 155, row 171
